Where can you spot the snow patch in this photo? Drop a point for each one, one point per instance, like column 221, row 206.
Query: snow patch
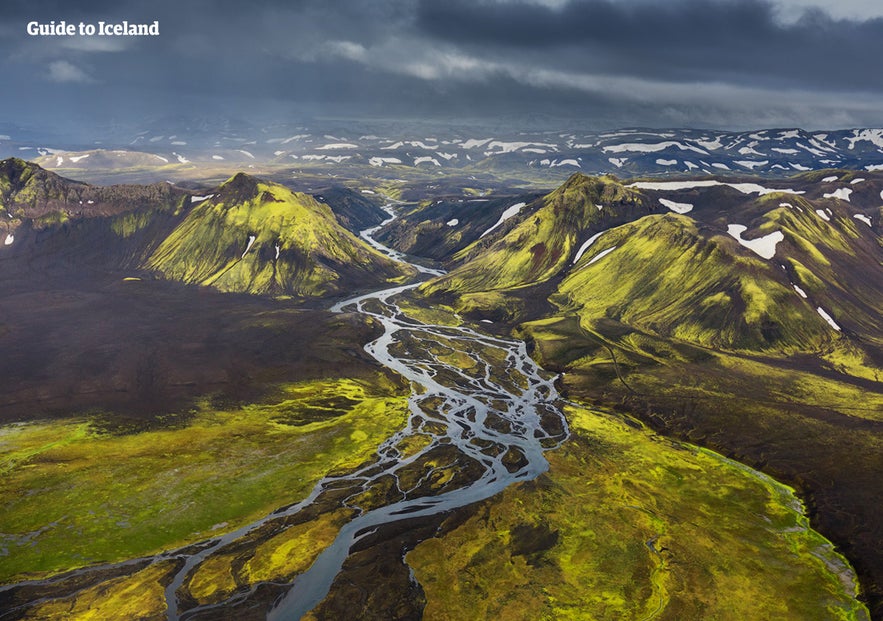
column 855, row 181
column 676, row 207
column 821, row 213
column 785, row 151
column 710, row 144
column 380, row 161
column 617, row 161
column 251, row 239
column 337, row 145
column 567, row 162
column 196, row 199
column 841, row 193
column 77, row 158
column 585, row 246
column 827, row 318
column 874, row 167
column 745, row 188
column 799, row 166
column 752, row 164
column 9, row 239
column 508, row 213
column 799, row 291
column 509, row 147
column 762, row 246
column 830, row 179
column 874, row 136
column 59, row 161
column 863, row 218
column 368, row 192
column 425, row 160
column 815, row 152
column 474, row 142
column 180, row 158
column 749, row 151
column 651, row 148
column 453, row 222
column 217, row 157
column 663, row 162
column 246, row 153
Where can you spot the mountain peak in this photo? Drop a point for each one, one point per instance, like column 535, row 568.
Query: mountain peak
column 17, row 171
column 239, row 188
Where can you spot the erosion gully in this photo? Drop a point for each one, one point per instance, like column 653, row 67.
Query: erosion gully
column 477, row 397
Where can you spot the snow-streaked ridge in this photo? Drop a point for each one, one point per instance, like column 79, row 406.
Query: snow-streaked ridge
column 508, row 213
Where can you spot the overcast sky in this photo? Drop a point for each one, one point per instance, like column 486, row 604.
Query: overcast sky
column 730, row 64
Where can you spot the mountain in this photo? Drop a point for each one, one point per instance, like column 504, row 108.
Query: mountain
column 245, row 235
column 438, row 228
column 365, row 150
column 30, row 192
column 355, row 211
column 740, row 314
column 531, row 243
column 258, row 237
column 117, row 159
column 49, row 222
column 739, row 266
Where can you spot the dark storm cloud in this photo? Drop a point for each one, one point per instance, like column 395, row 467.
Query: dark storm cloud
column 681, row 39
column 604, row 62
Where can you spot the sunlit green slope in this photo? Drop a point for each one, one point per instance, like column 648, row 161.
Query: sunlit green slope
column 532, row 249
column 627, row 525
column 261, row 237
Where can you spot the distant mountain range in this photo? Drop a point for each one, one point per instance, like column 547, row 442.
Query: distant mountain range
column 627, row 152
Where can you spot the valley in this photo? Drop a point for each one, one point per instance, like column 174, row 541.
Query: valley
column 546, row 373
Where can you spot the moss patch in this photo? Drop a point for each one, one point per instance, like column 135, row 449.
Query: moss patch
column 627, row 525
column 74, row 496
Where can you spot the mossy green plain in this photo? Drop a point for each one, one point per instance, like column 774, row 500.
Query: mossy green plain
column 73, row 496
column 628, row 525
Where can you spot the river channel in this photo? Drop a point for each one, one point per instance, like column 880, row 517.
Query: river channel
column 481, row 416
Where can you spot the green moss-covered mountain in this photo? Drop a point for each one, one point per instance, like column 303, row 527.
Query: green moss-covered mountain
column 538, row 242
column 611, row 252
column 51, row 223
column 742, row 315
column 248, row 236
column 41, row 198
column 263, row 238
